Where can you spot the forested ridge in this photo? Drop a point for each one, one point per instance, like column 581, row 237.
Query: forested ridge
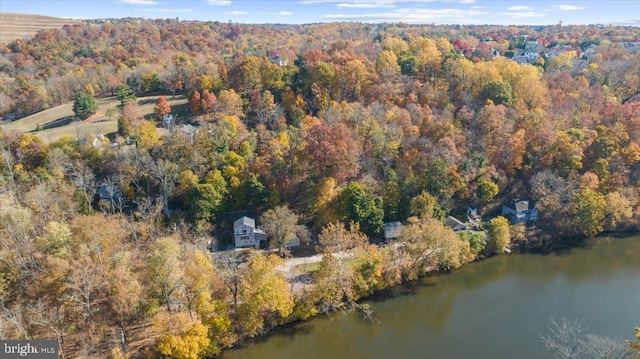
column 321, row 131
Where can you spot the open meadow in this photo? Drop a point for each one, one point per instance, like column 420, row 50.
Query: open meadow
column 24, row 26
column 57, row 121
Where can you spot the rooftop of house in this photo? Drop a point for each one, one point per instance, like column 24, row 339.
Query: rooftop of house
column 518, row 204
column 452, row 221
column 392, row 225
column 246, row 221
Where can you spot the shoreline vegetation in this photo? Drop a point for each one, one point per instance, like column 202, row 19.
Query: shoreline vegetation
column 543, row 244
column 318, row 134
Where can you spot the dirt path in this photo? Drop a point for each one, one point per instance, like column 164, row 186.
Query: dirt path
column 289, row 264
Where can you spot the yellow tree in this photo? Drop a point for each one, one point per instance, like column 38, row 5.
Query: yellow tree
column 183, row 337
column 337, row 280
column 230, row 103
column 198, row 285
column 428, row 57
column 499, row 236
column 428, row 244
column 165, row 270
column 125, row 293
column 263, row 295
column 387, row 64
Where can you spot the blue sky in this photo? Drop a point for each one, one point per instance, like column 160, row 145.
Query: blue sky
column 500, row 12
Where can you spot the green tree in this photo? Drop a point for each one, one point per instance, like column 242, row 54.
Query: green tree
column 408, row 63
column 497, row 91
column 362, row 207
column 499, row 236
column 84, row 105
column 209, row 196
column 437, row 180
column 425, row 206
column 124, row 94
column 590, row 212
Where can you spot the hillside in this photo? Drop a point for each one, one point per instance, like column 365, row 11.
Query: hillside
column 16, row 26
column 320, row 132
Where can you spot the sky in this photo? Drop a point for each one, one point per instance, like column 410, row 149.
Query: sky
column 495, row 12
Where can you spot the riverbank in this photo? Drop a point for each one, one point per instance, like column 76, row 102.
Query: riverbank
column 596, row 283
column 406, row 287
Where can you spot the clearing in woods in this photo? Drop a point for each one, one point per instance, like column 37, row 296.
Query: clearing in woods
column 59, row 120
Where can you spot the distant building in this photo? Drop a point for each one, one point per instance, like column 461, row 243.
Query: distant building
column 519, row 210
column 392, row 230
column 245, row 233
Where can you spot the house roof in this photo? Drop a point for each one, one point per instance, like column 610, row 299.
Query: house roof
column 246, row 221
column 519, row 205
column 392, row 225
column 453, row 222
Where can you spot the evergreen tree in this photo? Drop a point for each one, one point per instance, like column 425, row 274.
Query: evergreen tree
column 84, row 105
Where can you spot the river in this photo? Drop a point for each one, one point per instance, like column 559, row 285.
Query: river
column 496, row 308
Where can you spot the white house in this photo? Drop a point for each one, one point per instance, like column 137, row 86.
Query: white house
column 245, row 233
column 519, row 210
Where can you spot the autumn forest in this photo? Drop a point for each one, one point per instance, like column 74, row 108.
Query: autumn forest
column 322, row 132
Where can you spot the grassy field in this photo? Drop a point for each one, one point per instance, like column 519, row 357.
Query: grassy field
column 59, row 120
column 16, row 26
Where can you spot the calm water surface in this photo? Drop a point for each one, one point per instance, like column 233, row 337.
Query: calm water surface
column 497, row 308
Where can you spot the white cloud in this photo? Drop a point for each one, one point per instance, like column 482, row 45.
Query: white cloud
column 416, row 16
column 520, row 8
column 365, row 5
column 466, row 1
column 139, row 2
column 164, row 10
column 219, row 2
column 236, row 12
column 522, row 14
column 567, row 7
column 174, row 10
column 284, row 13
